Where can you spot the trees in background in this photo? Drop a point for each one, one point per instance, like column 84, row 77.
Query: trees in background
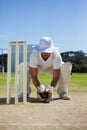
column 3, row 62
column 78, row 60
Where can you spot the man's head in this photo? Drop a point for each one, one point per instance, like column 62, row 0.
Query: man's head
column 45, row 45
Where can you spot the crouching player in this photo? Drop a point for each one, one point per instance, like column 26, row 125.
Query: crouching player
column 45, row 58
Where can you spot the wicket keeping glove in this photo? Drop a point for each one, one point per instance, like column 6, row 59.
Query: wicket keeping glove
column 49, row 90
column 41, row 88
column 40, row 92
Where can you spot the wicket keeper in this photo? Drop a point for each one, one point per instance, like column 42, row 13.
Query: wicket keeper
column 45, row 58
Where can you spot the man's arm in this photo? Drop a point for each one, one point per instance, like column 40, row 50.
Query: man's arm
column 56, row 73
column 34, row 75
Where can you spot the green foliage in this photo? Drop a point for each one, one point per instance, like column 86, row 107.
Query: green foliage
column 3, row 62
column 78, row 60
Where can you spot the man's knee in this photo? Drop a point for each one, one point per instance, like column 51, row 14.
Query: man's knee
column 66, row 67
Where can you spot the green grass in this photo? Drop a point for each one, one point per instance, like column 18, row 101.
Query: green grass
column 80, row 79
column 78, row 82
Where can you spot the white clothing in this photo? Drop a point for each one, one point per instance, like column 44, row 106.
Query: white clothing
column 45, row 45
column 65, row 72
column 54, row 61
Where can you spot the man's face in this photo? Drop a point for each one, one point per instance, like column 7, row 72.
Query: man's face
column 45, row 55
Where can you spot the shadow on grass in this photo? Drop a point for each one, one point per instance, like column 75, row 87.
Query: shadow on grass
column 35, row 100
column 3, row 101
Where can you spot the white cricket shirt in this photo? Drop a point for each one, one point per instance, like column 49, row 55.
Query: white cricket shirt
column 54, row 61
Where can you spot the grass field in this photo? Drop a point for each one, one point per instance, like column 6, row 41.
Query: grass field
column 78, row 82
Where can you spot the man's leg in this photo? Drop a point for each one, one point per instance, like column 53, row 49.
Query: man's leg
column 21, row 81
column 65, row 73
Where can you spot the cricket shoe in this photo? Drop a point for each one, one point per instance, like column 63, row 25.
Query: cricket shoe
column 64, row 96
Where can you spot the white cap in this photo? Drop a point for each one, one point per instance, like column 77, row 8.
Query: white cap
column 45, row 45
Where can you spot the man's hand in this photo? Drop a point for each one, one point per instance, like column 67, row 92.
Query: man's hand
column 44, row 93
column 40, row 92
column 49, row 90
column 41, row 88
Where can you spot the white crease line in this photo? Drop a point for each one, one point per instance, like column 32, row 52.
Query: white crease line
column 43, row 124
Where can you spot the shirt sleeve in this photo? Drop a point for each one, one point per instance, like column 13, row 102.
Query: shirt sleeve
column 57, row 60
column 33, row 62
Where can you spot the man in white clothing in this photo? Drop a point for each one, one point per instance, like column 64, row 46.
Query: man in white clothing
column 45, row 58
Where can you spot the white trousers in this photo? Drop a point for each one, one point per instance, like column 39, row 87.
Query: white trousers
column 63, row 82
